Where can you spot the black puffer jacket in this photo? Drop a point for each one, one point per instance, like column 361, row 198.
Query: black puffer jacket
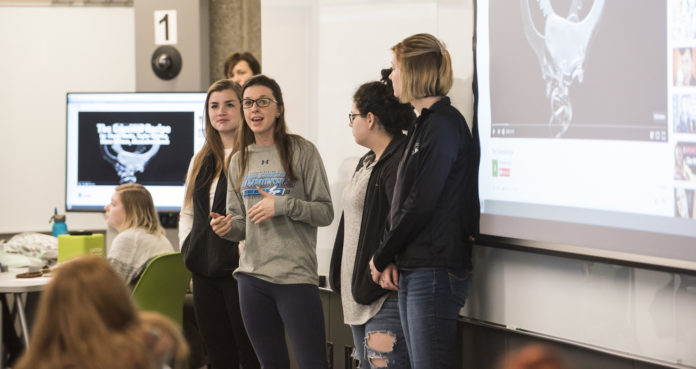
column 377, row 204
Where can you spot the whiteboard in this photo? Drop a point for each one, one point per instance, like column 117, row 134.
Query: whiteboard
column 46, row 52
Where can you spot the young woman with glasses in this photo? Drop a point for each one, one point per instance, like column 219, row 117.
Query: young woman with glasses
column 377, row 120
column 278, row 194
column 435, row 209
column 212, row 259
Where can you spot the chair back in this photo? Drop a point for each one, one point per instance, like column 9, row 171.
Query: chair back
column 162, row 286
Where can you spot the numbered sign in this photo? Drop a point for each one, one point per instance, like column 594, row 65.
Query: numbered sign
column 165, row 27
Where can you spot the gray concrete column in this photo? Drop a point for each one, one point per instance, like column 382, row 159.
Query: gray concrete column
column 235, row 26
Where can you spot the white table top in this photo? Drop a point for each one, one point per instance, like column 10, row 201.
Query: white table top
column 9, row 283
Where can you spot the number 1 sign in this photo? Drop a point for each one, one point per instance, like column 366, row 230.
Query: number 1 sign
column 165, row 27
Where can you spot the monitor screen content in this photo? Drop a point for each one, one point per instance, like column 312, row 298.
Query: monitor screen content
column 117, row 138
column 587, row 117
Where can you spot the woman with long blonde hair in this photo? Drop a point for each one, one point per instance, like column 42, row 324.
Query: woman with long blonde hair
column 212, row 259
column 140, row 236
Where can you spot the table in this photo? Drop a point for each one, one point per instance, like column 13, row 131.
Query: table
column 10, row 284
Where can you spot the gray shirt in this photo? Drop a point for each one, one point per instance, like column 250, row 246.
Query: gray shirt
column 281, row 249
column 353, row 204
column 133, row 248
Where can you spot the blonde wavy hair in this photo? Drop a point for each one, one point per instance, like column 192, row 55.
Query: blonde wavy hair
column 139, row 208
column 426, row 67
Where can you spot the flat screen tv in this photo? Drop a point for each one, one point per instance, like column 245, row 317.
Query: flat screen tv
column 117, row 138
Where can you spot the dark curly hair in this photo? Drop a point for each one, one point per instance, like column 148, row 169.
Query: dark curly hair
column 378, row 98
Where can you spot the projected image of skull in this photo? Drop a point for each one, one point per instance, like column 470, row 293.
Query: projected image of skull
column 130, row 146
column 561, row 50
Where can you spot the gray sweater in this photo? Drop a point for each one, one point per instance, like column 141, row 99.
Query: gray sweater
column 281, row 249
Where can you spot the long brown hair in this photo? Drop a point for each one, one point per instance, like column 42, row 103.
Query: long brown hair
column 282, row 139
column 139, row 208
column 85, row 319
column 213, row 143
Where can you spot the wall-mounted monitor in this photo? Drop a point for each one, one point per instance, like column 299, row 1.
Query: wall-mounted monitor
column 116, row 138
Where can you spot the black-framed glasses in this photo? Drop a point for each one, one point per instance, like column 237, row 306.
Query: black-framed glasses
column 351, row 116
column 261, row 102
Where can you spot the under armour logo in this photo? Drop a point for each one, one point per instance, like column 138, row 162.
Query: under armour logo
column 264, row 162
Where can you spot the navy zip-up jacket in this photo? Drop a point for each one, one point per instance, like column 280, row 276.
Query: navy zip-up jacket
column 435, row 208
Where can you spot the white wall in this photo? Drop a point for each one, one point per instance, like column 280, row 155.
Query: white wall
column 321, row 51
column 46, row 51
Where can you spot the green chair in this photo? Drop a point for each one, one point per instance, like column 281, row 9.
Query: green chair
column 162, row 286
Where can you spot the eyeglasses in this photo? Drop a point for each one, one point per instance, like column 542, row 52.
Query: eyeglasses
column 261, row 102
column 351, row 116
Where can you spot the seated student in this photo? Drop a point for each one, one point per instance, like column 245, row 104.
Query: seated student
column 87, row 320
column 239, row 67
column 140, row 235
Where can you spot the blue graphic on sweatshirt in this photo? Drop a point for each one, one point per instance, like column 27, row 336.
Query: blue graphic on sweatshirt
column 274, row 183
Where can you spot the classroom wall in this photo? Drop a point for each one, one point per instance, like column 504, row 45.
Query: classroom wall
column 46, row 51
column 321, row 51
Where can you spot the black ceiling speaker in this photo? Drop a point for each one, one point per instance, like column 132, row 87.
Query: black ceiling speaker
column 166, row 62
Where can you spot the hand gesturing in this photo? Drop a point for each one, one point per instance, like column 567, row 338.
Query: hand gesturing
column 263, row 209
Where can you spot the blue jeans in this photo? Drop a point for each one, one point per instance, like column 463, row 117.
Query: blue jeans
column 270, row 310
column 429, row 304
column 386, row 321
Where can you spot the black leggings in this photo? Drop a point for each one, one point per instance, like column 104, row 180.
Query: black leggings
column 269, row 310
column 216, row 302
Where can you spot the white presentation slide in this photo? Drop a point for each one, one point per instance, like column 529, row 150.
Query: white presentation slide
column 117, row 138
column 587, row 119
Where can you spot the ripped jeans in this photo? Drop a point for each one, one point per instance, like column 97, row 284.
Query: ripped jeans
column 380, row 341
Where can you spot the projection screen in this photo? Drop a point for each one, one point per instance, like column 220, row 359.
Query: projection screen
column 587, row 116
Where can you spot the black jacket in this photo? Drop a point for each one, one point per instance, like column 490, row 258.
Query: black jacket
column 376, row 208
column 204, row 252
column 435, row 208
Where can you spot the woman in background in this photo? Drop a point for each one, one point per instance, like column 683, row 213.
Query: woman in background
column 140, row 236
column 377, row 120
column 278, row 195
column 435, row 209
column 239, row 67
column 86, row 320
column 212, row 259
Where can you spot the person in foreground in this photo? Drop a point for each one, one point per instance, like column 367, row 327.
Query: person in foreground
column 86, row 320
column 426, row 248
column 212, row 259
column 378, row 120
column 140, row 236
column 534, row 356
column 277, row 196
